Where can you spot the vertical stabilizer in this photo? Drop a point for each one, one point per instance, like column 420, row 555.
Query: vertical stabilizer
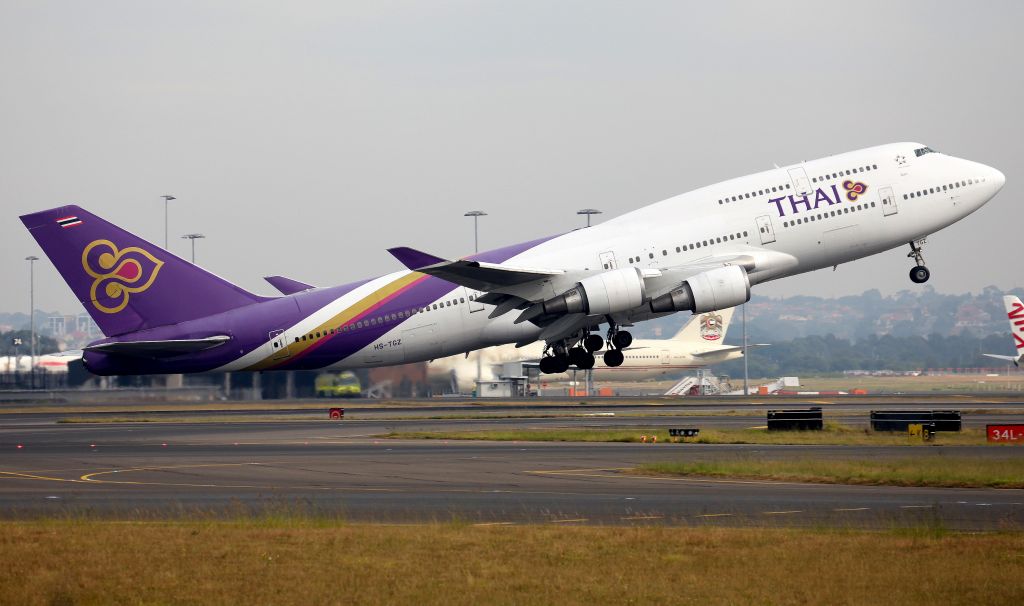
column 706, row 328
column 1015, row 313
column 125, row 283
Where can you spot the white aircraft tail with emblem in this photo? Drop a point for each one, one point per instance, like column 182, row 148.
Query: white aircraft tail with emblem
column 1015, row 313
column 707, row 328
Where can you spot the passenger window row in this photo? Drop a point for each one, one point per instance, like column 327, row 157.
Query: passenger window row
column 379, row 320
column 695, row 245
column 851, row 171
column 753, row 194
column 941, row 188
column 828, row 214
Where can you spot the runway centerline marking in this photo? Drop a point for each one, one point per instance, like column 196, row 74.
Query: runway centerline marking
column 852, row 509
column 779, row 513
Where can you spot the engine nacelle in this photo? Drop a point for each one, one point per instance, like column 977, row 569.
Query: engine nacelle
column 711, row 290
column 606, row 293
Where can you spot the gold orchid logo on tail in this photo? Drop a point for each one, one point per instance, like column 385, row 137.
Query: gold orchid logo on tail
column 117, row 273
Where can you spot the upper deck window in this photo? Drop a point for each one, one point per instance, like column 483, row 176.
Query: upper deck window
column 924, row 150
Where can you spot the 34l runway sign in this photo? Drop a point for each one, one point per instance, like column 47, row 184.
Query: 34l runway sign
column 1005, row 433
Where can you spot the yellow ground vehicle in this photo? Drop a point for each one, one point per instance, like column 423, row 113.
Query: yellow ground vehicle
column 337, row 385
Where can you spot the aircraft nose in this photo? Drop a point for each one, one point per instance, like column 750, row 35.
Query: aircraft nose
column 998, row 178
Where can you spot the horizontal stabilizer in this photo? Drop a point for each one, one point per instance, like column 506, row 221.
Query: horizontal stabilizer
column 727, row 349
column 1014, row 359
column 159, row 349
column 477, row 275
column 287, row 286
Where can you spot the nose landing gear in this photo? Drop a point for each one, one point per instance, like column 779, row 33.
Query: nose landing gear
column 919, row 274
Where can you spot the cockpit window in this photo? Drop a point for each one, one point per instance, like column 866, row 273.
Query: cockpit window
column 924, row 150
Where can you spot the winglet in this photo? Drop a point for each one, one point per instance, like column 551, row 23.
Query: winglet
column 414, row 259
column 287, row 286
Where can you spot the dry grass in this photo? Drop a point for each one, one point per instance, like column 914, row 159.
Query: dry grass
column 942, row 471
column 315, row 563
column 922, row 384
column 832, row 435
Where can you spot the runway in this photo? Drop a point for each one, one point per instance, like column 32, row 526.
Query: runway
column 339, row 468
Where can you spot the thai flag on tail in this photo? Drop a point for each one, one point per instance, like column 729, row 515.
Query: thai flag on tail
column 69, row 221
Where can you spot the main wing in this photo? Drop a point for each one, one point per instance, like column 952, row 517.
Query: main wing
column 563, row 301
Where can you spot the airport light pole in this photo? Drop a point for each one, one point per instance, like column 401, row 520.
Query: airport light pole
column 32, row 316
column 193, row 238
column 476, row 214
column 746, row 385
column 17, row 357
column 588, row 212
column 167, row 198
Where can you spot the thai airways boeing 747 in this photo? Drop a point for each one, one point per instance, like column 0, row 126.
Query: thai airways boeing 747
column 699, row 251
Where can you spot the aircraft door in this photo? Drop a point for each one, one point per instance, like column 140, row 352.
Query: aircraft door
column 666, row 357
column 279, row 344
column 801, row 183
column 607, row 260
column 471, row 300
column 765, row 229
column 888, row 200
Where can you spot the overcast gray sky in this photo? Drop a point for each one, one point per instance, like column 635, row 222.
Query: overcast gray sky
column 304, row 138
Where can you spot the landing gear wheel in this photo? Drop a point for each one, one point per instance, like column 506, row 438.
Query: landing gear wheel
column 593, row 343
column 622, row 340
column 578, row 355
column 561, row 364
column 613, row 358
column 547, row 365
column 920, row 273
column 586, row 361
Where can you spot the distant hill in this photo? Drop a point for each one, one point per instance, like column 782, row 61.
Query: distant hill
column 854, row 318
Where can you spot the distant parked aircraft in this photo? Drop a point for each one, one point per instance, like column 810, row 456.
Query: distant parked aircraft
column 1015, row 312
column 696, row 345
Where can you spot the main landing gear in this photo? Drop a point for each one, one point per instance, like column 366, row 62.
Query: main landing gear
column 920, row 273
column 579, row 352
column 617, row 341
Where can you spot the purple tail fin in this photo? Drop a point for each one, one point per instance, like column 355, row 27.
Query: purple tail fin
column 125, row 283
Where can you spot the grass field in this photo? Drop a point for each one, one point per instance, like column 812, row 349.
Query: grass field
column 934, row 384
column 944, row 471
column 833, row 434
column 295, row 561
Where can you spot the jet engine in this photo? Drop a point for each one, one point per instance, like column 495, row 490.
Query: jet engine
column 606, row 293
column 711, row 290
